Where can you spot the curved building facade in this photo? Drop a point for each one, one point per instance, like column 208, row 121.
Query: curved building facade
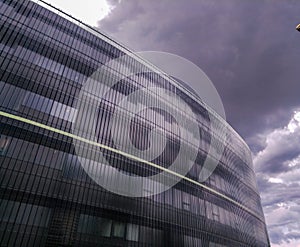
column 61, row 184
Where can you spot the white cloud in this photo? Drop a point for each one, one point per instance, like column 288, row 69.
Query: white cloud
column 275, row 180
column 278, row 143
column 294, row 123
column 278, row 171
column 88, row 11
column 292, row 243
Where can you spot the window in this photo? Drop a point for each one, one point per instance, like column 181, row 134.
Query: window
column 215, row 212
column 132, row 233
column 191, row 241
column 49, row 64
column 63, row 111
column 49, row 106
column 168, row 197
column 94, row 225
column 10, row 96
column 212, row 180
column 4, row 142
column 103, row 227
column 37, row 102
column 118, row 229
column 23, row 213
column 146, row 235
column 159, row 197
column 72, row 168
column 186, row 201
column 177, row 198
column 212, row 244
column 222, row 212
column 208, row 207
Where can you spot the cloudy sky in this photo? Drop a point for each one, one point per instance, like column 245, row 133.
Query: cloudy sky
column 251, row 51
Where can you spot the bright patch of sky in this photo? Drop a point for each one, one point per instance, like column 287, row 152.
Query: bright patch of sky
column 275, row 180
column 295, row 122
column 88, row 11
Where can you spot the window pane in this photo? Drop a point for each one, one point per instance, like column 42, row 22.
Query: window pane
column 119, row 229
column 132, row 232
column 4, row 142
column 106, row 228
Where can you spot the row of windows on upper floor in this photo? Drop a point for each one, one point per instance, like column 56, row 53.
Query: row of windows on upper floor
column 61, row 70
column 39, row 18
column 57, row 60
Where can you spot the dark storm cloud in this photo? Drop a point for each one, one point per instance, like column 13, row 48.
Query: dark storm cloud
column 249, row 49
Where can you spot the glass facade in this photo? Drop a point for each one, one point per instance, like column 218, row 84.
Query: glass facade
column 46, row 196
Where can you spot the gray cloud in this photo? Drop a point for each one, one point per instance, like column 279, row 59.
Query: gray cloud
column 283, row 226
column 278, row 172
column 248, row 49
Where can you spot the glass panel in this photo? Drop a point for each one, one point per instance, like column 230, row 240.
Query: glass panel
column 22, row 213
column 146, row 235
column 63, row 111
column 105, row 230
column 94, row 225
column 119, row 229
column 177, row 198
column 11, row 96
column 37, row 102
column 132, row 233
column 4, row 142
column 186, row 201
column 49, row 106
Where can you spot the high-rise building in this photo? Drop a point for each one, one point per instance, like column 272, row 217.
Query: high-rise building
column 58, row 182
